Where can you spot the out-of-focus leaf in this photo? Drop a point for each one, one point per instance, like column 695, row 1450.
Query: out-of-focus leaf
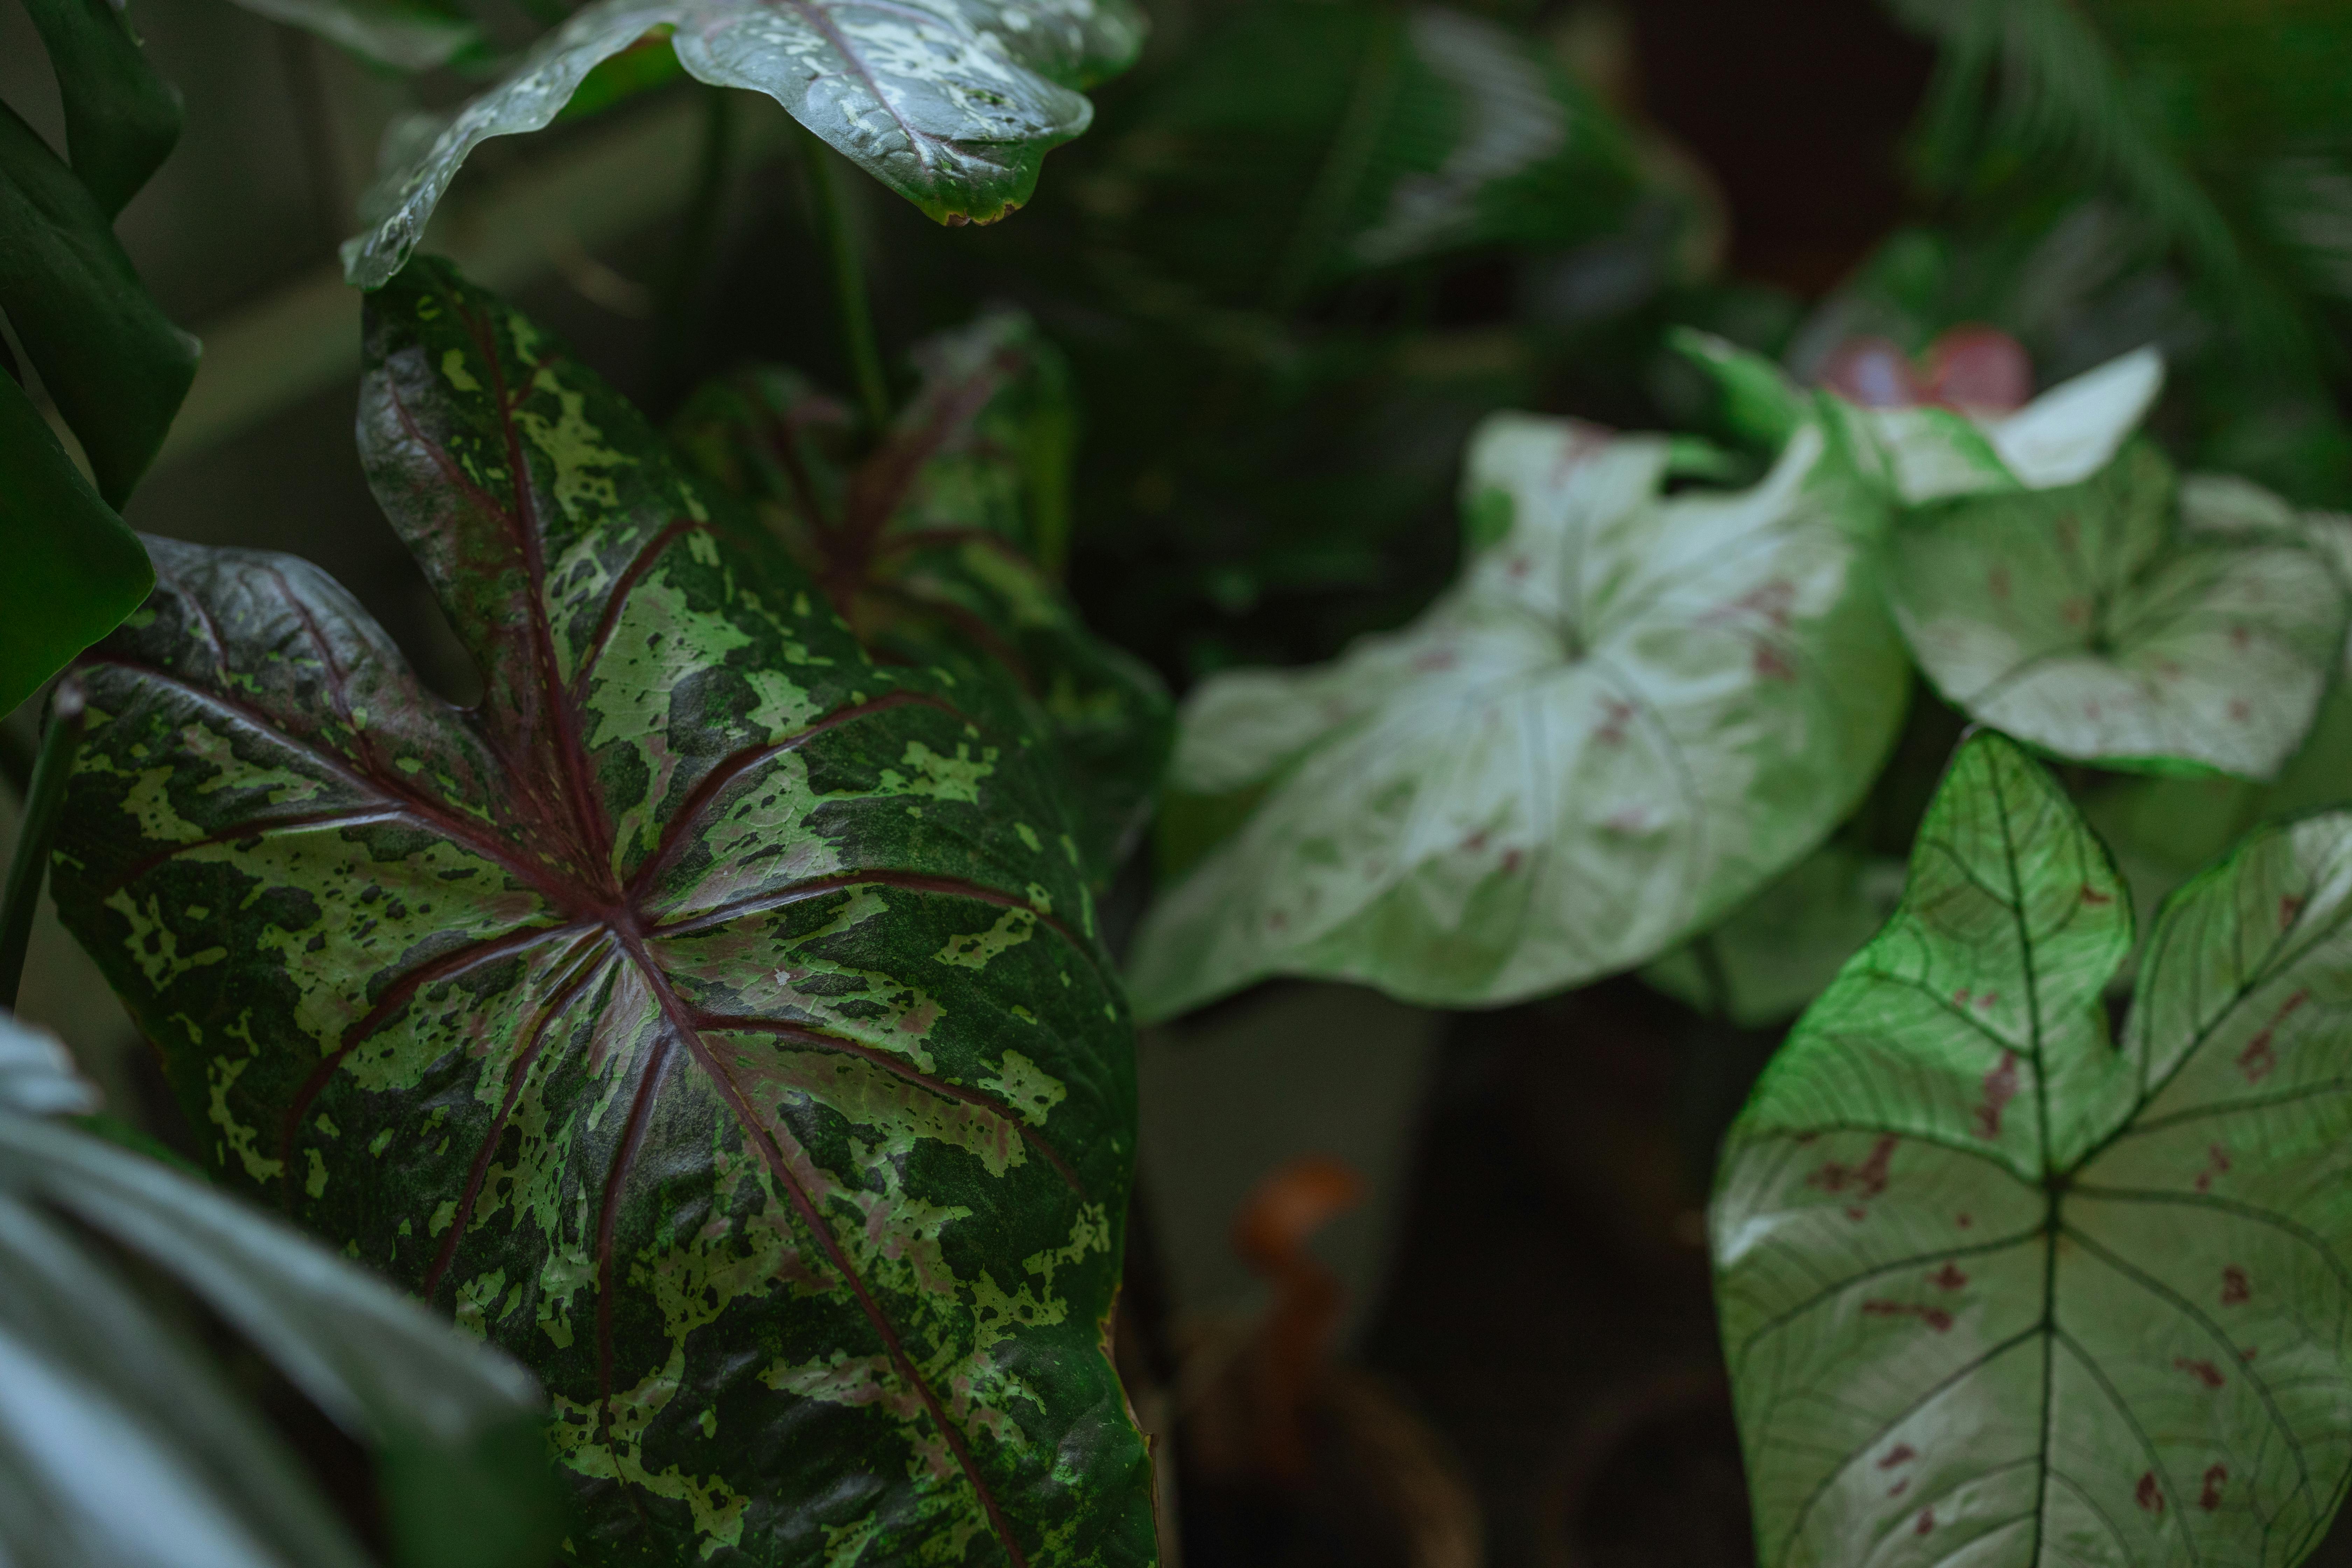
column 951, row 104
column 74, row 569
column 1775, row 954
column 2096, row 622
column 408, row 35
column 102, row 1401
column 1631, row 714
column 713, row 1016
column 928, row 548
column 1995, row 1289
column 115, row 366
column 1305, row 142
column 121, row 119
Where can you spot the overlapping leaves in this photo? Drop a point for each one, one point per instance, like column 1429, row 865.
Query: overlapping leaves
column 115, row 368
column 103, row 1399
column 2090, row 612
column 1995, row 1287
column 713, row 1016
column 1632, row 711
column 934, row 548
column 951, row 104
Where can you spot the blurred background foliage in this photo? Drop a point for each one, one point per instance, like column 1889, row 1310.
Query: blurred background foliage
column 1305, row 246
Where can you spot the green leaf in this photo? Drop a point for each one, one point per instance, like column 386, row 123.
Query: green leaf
column 951, row 104
column 115, row 366
column 1996, row 1290
column 1777, row 951
column 1302, row 143
column 74, row 569
column 713, row 1016
column 103, row 1399
column 121, row 119
column 929, row 549
column 1632, row 712
column 408, row 35
column 2100, row 623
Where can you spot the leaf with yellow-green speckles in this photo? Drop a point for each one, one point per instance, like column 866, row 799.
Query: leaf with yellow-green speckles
column 930, row 547
column 711, row 1016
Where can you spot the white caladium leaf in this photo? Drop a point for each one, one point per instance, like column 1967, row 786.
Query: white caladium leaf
column 951, row 104
column 1631, row 713
column 1998, row 1289
column 2106, row 623
column 2064, row 436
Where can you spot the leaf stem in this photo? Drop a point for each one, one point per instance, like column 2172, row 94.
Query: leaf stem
column 28, row 866
column 830, row 202
column 698, row 234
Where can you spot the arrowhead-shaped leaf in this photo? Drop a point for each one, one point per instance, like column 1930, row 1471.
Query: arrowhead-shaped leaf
column 1996, row 1290
column 951, row 104
column 1632, row 712
column 713, row 1016
column 2102, row 621
column 929, row 547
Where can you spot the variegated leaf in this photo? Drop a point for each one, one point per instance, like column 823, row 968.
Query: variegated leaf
column 931, row 546
column 1632, row 711
column 2103, row 622
column 711, row 1016
column 951, row 104
column 1998, row 1289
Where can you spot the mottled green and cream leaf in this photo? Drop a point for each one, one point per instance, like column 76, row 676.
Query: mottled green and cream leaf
column 692, row 1017
column 1632, row 711
column 1996, row 1287
column 951, row 104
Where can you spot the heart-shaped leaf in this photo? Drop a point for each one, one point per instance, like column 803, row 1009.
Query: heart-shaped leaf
column 1996, row 1290
column 1632, row 711
column 951, row 104
column 930, row 545
column 713, row 1018
column 2102, row 622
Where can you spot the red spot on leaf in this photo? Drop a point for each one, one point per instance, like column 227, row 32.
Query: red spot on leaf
column 2258, row 1058
column 2234, row 1290
column 2149, row 1495
column 2289, row 907
column 1964, row 1221
column 2095, row 898
column 2204, row 1372
column 1436, row 658
column 1935, row 1318
column 1277, row 921
column 1768, row 665
column 1519, row 566
column 1475, row 842
column 2240, row 711
column 2217, row 1163
column 1510, row 861
column 2211, row 1497
column 1926, row 1521
column 2238, row 637
column 1899, row 1487
column 2075, row 612
column 1867, row 1179
column 2000, row 1088
column 1897, row 1455
column 1613, row 715
column 1948, row 1278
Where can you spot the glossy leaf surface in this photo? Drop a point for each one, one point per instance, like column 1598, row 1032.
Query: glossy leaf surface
column 75, row 570
column 115, row 367
column 1995, row 1289
column 1632, row 712
column 121, row 119
column 951, row 104
column 713, row 1016
column 2104, row 622
column 104, row 1397
column 930, row 548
